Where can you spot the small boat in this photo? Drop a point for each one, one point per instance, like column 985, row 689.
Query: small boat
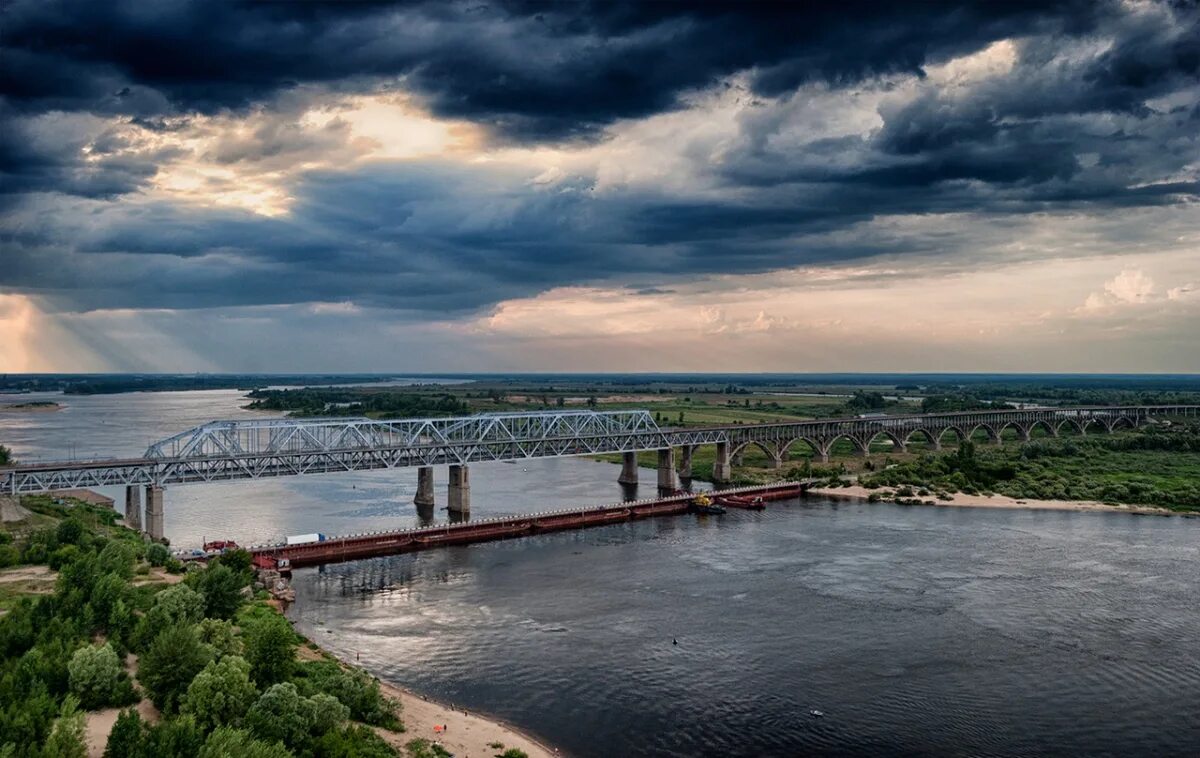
column 703, row 504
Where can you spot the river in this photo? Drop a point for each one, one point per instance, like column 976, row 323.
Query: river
column 812, row 627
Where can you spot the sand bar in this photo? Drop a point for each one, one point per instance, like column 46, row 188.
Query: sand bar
column 961, row 500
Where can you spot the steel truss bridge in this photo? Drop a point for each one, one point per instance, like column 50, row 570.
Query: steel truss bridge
column 255, row 449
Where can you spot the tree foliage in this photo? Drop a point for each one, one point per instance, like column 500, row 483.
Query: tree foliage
column 177, row 607
column 270, row 648
column 170, row 663
column 221, row 693
column 126, row 736
column 97, row 678
column 66, row 739
column 282, row 715
column 221, row 588
column 227, row 742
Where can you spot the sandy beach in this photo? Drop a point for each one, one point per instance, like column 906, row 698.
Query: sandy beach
column 465, row 734
column 960, row 500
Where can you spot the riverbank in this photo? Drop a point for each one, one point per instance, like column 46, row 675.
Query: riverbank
column 961, row 500
column 465, row 734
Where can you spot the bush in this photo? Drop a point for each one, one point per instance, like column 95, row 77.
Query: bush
column 354, row 689
column 117, row 558
column 227, row 742
column 270, row 648
column 174, row 738
column 173, row 607
column 167, row 668
column 66, row 739
column 353, row 741
column 221, row 693
column 97, row 678
column 69, row 531
column 157, row 554
column 220, row 636
column 281, row 715
column 423, row 748
column 222, row 590
column 126, row 736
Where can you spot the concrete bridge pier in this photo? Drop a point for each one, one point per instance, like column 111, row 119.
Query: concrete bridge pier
column 685, row 461
column 775, row 460
column 629, row 469
column 155, row 512
column 666, row 469
column 459, row 500
column 722, row 470
column 133, row 507
column 424, row 497
column 823, row 452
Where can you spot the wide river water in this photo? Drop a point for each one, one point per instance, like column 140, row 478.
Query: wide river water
column 812, row 627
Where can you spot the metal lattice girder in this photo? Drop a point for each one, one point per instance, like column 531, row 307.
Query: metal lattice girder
column 254, row 449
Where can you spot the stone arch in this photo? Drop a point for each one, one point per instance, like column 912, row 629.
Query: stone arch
column 1022, row 431
column 1122, row 421
column 1044, row 424
column 773, row 457
column 1102, row 424
column 958, row 433
column 785, row 449
column 859, row 447
column 1071, row 423
column 900, row 443
column 988, row 429
column 929, row 436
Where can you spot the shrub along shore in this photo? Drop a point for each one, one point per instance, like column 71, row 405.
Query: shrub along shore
column 199, row 663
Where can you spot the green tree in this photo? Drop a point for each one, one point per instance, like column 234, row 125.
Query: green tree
column 169, row 665
column 6, row 458
column 270, row 648
column 69, row 531
column 353, row 741
column 328, row 713
column 66, row 738
column 227, row 742
column 280, row 714
column 221, row 694
column 157, row 554
column 179, row 737
column 109, row 590
column 126, row 736
column 220, row 636
column 357, row 691
column 239, row 561
column 222, row 590
column 97, row 678
column 117, row 558
column 173, row 608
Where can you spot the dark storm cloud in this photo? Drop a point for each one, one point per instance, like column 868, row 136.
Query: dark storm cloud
column 1059, row 131
column 530, row 70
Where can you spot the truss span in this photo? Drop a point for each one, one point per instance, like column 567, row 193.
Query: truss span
column 254, row 449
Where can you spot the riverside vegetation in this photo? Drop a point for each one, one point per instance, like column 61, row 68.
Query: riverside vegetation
column 116, row 626
column 1153, row 466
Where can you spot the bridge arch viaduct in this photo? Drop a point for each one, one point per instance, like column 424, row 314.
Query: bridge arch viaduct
column 260, row 448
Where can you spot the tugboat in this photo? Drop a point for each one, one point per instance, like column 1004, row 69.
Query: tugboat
column 703, row 504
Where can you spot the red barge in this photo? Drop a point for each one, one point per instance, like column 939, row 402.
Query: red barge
column 356, row 546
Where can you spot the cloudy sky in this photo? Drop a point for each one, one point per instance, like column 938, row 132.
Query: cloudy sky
column 492, row 186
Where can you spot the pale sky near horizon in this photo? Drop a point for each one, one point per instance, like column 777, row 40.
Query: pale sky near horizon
column 198, row 186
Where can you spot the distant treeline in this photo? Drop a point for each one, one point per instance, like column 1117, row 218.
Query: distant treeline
column 342, row 401
column 103, row 384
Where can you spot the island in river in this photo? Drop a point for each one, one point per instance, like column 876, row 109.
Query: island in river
column 32, row 407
